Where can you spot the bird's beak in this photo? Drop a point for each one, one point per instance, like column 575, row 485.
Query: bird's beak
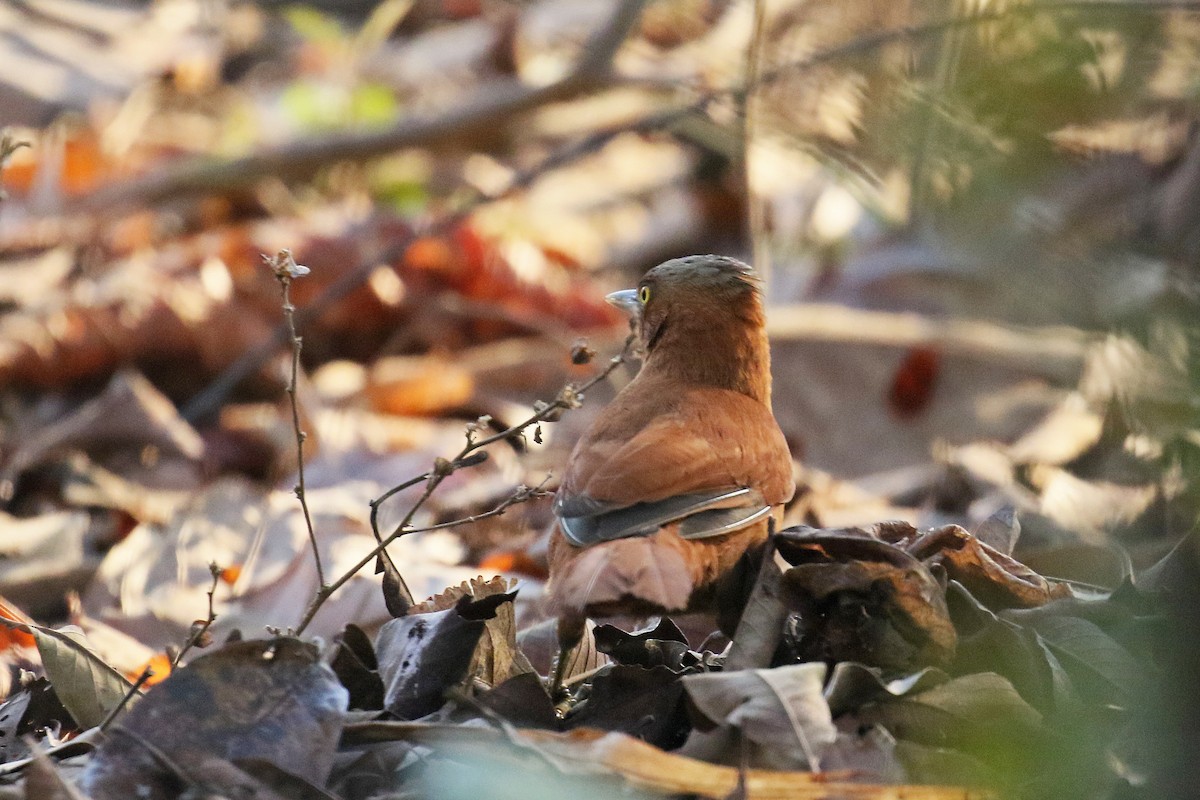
column 626, row 300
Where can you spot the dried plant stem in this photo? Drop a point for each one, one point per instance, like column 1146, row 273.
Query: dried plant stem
column 286, row 270
column 198, row 631
column 569, row 397
column 147, row 673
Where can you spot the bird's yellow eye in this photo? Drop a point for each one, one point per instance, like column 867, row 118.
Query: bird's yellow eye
column 644, row 295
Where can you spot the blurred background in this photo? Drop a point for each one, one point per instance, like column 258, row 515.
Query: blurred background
column 977, row 222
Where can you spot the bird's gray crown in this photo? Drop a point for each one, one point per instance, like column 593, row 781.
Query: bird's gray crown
column 700, row 270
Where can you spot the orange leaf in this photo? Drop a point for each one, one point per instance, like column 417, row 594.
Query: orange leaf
column 159, row 665
column 14, row 637
column 513, row 561
column 418, row 386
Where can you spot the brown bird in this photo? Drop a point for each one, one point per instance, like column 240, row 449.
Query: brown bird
column 678, row 476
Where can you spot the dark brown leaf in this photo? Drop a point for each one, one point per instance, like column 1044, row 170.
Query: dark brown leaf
column 862, row 599
column 997, row 579
column 356, row 667
column 646, row 703
column 267, row 699
column 523, row 701
column 422, row 655
column 760, row 626
column 664, row 645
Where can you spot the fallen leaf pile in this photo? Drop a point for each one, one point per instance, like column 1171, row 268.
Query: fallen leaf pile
column 888, row 675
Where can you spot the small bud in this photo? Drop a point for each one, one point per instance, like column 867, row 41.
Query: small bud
column 200, row 635
column 477, row 457
column 547, row 411
column 581, row 353
column 285, row 266
column 479, row 424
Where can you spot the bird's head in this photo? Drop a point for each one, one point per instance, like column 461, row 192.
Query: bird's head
column 692, row 296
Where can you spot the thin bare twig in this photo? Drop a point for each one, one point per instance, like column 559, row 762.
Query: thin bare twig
column 146, row 675
column 375, row 504
column 198, row 631
column 519, row 495
column 287, row 270
column 571, row 396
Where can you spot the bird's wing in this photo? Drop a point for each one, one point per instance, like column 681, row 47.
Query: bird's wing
column 702, row 514
column 714, row 459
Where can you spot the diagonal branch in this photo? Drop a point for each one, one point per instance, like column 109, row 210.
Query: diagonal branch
column 480, row 114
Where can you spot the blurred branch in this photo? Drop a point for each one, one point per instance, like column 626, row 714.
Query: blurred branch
column 212, row 397
column 1057, row 353
column 486, row 109
column 646, row 770
column 500, row 101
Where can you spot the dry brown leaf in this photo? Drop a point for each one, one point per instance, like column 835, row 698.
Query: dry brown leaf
column 154, row 444
column 862, row 598
column 236, row 702
column 417, row 386
column 998, row 580
column 497, row 657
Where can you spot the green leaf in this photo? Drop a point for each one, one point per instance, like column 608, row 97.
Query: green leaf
column 311, row 105
column 1085, row 649
column 87, row 686
column 974, row 712
column 314, row 26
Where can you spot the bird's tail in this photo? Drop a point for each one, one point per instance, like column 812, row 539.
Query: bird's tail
column 649, row 573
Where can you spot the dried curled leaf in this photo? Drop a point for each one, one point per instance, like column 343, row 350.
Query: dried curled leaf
column 497, row 657
column 780, row 711
column 997, row 579
column 863, row 599
column 664, row 645
column 423, row 655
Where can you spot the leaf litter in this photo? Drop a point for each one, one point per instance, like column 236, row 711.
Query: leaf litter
column 1004, row 637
